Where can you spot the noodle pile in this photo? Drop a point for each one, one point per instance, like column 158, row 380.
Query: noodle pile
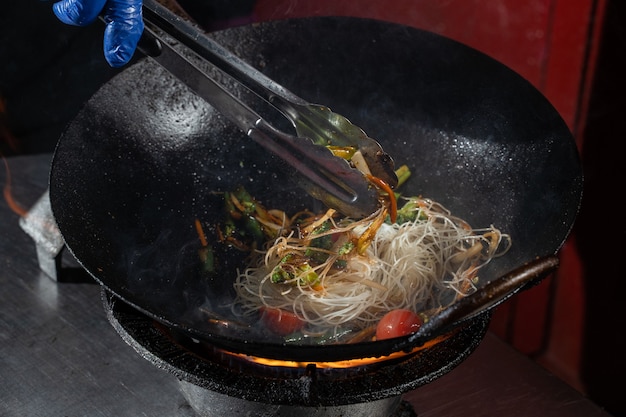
column 422, row 262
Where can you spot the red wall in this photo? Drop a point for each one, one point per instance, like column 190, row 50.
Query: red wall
column 543, row 40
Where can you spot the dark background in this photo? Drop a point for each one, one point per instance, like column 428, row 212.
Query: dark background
column 602, row 248
column 47, row 70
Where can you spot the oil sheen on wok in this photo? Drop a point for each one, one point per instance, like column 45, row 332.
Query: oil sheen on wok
column 323, row 278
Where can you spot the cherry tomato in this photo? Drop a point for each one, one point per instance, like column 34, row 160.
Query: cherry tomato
column 281, row 322
column 398, row 323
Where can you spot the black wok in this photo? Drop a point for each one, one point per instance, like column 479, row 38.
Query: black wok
column 145, row 158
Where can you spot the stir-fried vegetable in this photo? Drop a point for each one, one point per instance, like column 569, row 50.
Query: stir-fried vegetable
column 331, row 278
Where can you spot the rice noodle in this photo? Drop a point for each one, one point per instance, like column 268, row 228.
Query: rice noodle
column 422, row 264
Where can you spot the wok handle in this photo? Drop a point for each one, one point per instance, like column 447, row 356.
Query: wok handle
column 488, row 297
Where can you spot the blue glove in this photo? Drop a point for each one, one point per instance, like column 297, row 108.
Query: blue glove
column 124, row 24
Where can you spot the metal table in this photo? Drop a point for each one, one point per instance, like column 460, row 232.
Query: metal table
column 59, row 355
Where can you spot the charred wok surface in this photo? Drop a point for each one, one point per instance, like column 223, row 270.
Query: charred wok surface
column 145, row 159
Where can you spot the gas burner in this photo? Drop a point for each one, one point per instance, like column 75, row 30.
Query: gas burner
column 217, row 382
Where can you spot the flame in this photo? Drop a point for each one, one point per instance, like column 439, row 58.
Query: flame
column 13, row 204
column 207, row 351
column 342, row 364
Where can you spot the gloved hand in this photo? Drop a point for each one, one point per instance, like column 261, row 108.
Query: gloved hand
column 124, row 24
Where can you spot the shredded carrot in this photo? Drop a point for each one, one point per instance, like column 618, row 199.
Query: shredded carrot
column 201, row 234
column 393, row 206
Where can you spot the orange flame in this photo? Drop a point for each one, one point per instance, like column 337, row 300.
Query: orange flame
column 13, row 204
column 341, row 364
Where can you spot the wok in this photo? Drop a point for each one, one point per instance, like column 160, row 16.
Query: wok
column 145, row 158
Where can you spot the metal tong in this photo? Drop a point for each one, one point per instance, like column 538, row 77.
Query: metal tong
column 324, row 176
